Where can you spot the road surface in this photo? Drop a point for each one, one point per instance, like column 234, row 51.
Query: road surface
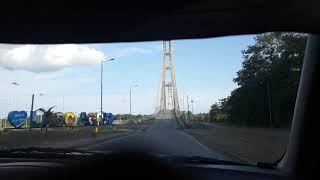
column 161, row 138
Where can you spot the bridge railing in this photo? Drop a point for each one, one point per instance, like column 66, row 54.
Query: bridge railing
column 181, row 123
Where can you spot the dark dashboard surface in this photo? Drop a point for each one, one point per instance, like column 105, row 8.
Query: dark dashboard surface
column 125, row 166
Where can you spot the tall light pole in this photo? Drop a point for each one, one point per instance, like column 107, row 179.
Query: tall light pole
column 108, row 60
column 136, row 85
column 192, row 106
column 188, row 107
column 14, row 97
column 31, row 111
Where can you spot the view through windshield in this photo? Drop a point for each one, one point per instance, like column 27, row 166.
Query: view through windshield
column 228, row 98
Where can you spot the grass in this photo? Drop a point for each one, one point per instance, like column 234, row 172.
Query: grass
column 62, row 137
column 248, row 145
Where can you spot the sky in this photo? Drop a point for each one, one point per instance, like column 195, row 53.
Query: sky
column 68, row 76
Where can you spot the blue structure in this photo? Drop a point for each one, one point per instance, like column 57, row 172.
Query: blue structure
column 108, row 118
column 33, row 115
column 17, row 118
column 83, row 119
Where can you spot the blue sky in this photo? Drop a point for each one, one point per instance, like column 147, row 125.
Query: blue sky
column 204, row 70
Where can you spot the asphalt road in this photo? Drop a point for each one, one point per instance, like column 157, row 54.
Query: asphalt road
column 161, row 138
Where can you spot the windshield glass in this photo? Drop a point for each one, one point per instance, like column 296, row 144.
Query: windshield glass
column 228, row 98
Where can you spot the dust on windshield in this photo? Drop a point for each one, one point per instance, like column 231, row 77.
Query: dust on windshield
column 229, row 98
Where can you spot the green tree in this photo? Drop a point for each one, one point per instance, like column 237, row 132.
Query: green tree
column 270, row 73
column 117, row 117
column 273, row 62
column 219, row 111
column 213, row 111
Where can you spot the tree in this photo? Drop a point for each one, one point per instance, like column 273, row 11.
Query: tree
column 269, row 75
column 117, row 117
column 213, row 112
column 219, row 111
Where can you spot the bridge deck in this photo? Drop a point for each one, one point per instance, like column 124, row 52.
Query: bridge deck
column 165, row 114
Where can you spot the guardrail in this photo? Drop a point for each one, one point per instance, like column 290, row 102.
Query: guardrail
column 181, row 123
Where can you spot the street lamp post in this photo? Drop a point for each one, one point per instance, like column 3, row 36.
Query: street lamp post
column 192, row 106
column 101, row 111
column 14, row 97
column 187, row 107
column 136, row 85
column 14, row 104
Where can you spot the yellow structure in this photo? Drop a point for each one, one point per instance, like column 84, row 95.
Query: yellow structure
column 70, row 119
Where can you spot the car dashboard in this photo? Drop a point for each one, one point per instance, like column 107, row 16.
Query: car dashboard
column 115, row 167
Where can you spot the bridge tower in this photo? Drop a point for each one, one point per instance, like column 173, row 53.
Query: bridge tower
column 167, row 96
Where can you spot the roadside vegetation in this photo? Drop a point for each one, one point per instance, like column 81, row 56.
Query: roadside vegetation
column 239, row 125
column 267, row 83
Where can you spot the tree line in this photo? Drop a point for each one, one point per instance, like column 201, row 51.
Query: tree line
column 267, row 82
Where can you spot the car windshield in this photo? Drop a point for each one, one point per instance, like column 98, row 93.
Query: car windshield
column 228, row 98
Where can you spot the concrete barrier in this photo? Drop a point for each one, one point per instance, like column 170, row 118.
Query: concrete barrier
column 116, row 122
column 181, row 123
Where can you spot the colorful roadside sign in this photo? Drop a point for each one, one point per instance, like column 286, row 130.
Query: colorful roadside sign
column 93, row 119
column 70, row 118
column 58, row 119
column 83, row 119
column 108, row 118
column 33, row 115
column 17, row 118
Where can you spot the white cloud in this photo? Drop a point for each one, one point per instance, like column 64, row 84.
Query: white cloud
column 44, row 58
column 128, row 51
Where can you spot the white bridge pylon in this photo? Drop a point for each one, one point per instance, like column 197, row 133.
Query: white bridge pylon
column 167, row 96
